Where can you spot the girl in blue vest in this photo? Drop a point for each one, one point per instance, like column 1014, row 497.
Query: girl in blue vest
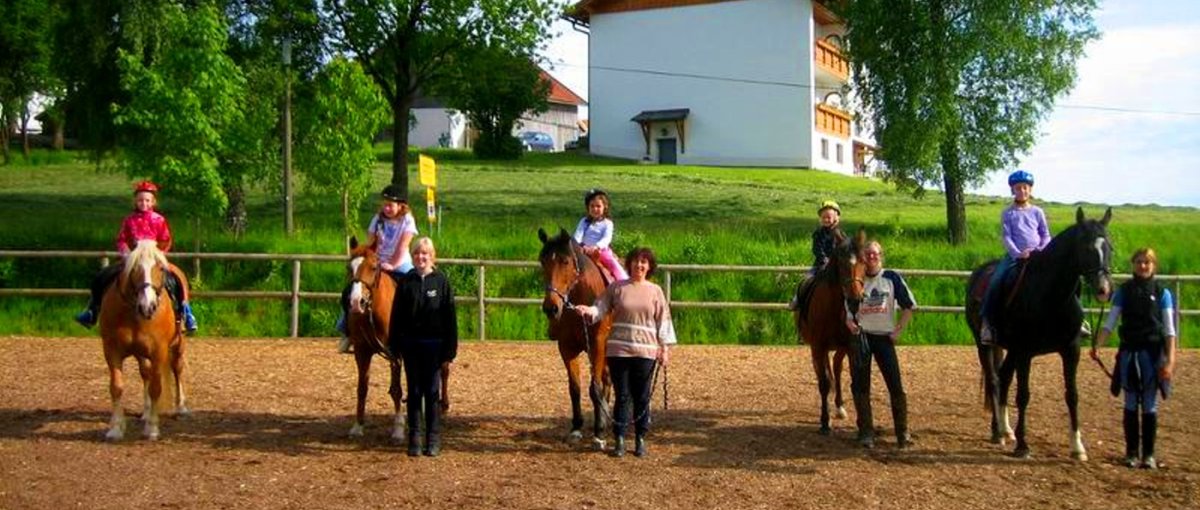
column 1146, row 356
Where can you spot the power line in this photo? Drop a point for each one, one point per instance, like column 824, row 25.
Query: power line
column 1129, row 110
column 1113, row 109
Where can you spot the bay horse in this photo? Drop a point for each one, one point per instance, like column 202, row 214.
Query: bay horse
column 1040, row 314
column 572, row 278
column 822, row 324
column 138, row 319
column 367, row 325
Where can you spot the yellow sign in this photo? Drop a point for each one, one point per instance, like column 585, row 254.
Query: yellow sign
column 428, row 170
column 430, row 208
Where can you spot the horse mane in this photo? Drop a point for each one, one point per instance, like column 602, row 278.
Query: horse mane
column 145, row 249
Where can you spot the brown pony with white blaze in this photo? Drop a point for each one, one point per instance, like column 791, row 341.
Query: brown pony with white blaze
column 572, row 278
column 367, row 324
column 137, row 319
column 823, row 326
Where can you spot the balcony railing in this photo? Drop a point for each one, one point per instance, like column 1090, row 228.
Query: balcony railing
column 829, row 57
column 832, row 120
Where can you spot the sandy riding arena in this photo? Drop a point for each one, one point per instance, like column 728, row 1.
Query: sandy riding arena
column 271, row 416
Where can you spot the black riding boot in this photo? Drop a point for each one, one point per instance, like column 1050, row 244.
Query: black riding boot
column 1149, row 431
column 433, row 427
column 414, row 428
column 866, row 423
column 1130, row 421
column 639, row 446
column 900, row 419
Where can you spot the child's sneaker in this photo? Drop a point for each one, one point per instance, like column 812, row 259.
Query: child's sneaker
column 1085, row 331
column 86, row 318
column 1131, row 462
column 344, row 345
column 1149, row 463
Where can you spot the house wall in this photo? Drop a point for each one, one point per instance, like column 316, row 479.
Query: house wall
column 432, row 123
column 743, row 68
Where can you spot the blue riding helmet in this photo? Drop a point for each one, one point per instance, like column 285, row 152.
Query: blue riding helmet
column 1020, row 176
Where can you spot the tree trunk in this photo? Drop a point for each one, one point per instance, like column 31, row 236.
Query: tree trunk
column 59, row 136
column 400, row 110
column 347, row 228
column 956, row 212
column 5, row 133
column 235, row 215
column 25, row 132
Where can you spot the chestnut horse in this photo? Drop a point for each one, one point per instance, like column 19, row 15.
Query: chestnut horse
column 1040, row 314
column 822, row 325
column 572, row 278
column 137, row 319
column 368, row 325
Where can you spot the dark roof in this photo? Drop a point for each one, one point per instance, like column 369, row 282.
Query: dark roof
column 656, row 115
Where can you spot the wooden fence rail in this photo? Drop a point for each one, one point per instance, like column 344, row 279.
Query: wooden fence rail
column 294, row 296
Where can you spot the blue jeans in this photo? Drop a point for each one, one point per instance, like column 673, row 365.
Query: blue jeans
column 994, row 284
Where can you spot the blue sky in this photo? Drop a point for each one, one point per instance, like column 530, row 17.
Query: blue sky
column 1129, row 132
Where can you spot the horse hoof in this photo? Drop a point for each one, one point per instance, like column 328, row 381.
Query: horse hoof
column 397, row 437
column 152, row 435
column 1079, row 456
column 825, row 430
column 183, row 412
column 841, row 413
column 574, row 437
column 1021, row 453
column 356, row 430
column 997, row 439
column 114, row 435
column 597, row 444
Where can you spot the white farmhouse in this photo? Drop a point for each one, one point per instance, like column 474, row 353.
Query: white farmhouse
column 720, row 82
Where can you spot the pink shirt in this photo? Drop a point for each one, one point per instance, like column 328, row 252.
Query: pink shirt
column 140, row 226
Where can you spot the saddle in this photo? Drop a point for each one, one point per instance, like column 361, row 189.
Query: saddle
column 1006, row 292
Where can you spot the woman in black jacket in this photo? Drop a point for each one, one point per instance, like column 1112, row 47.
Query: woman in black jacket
column 425, row 332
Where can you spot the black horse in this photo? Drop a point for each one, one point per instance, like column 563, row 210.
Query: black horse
column 1038, row 312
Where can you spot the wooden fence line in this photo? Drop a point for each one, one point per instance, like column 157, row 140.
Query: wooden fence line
column 294, row 296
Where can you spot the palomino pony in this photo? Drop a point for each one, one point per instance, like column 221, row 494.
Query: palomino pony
column 1040, row 315
column 823, row 324
column 572, row 278
column 137, row 319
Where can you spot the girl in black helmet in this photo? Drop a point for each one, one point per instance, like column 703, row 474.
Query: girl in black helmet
column 595, row 233
column 391, row 231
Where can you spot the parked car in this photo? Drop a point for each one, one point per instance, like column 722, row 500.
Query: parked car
column 580, row 143
column 536, row 141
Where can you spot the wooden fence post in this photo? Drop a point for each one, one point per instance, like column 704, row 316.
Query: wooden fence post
column 482, row 308
column 667, row 285
column 294, row 330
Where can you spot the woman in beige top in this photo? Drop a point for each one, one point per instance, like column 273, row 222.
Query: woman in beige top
column 641, row 335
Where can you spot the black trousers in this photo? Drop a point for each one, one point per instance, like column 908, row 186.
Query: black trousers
column 880, row 347
column 632, row 379
column 423, row 368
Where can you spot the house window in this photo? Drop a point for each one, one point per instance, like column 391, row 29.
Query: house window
column 824, row 149
column 839, row 153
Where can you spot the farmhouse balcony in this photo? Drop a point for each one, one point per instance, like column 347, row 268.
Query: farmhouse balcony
column 832, row 120
column 830, row 60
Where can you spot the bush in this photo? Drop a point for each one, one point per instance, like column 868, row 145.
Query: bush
column 504, row 146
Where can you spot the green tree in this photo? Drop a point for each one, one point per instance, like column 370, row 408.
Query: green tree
column 25, row 35
column 337, row 128
column 494, row 88
column 404, row 45
column 955, row 89
column 185, row 99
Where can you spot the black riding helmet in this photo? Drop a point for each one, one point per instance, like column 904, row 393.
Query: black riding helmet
column 593, row 193
column 395, row 193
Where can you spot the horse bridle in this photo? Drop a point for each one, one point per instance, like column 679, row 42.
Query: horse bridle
column 129, row 294
column 381, row 347
column 565, row 295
